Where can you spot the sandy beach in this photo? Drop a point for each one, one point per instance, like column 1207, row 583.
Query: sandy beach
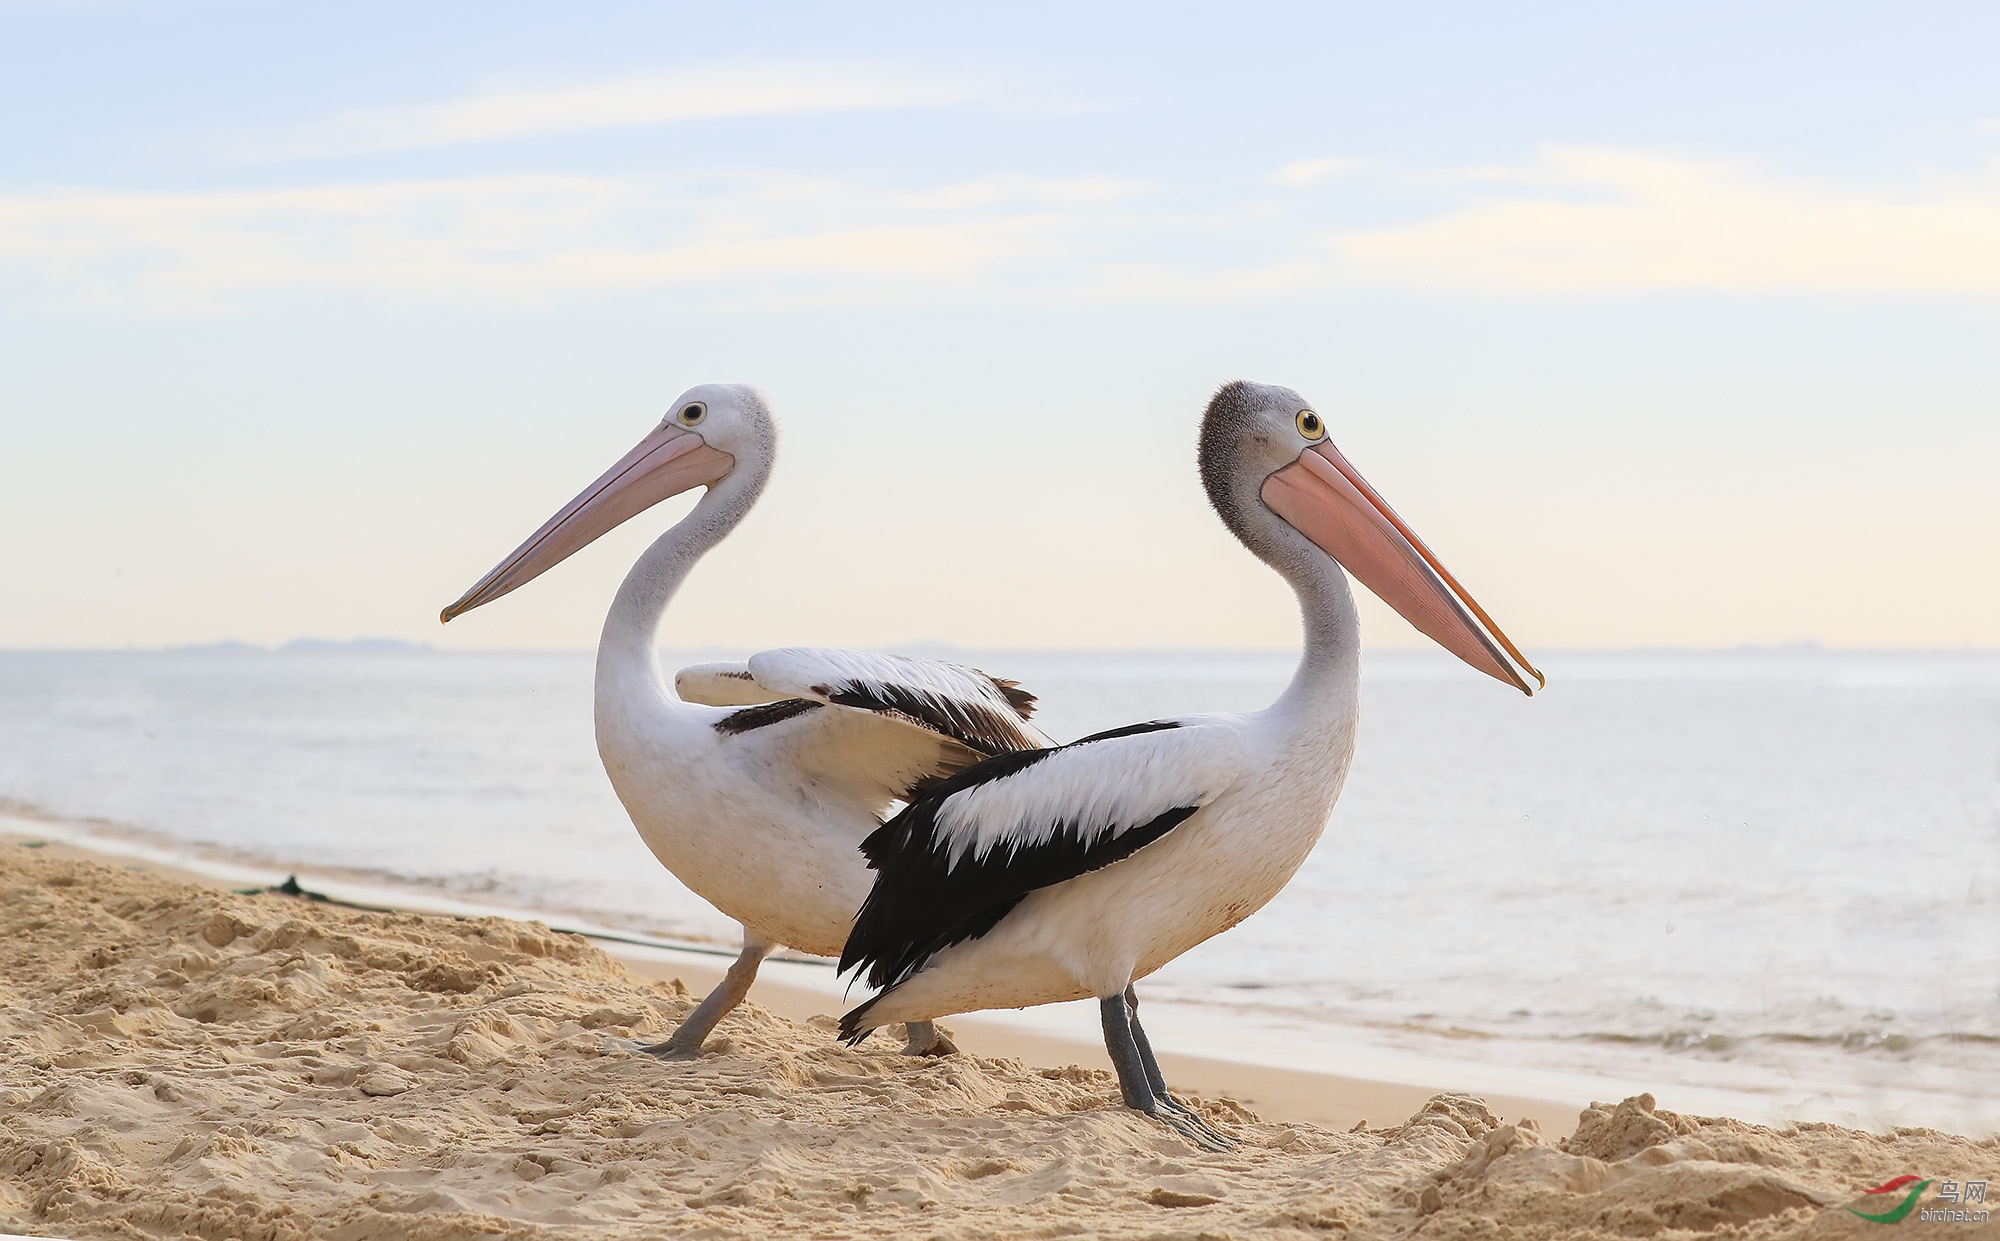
column 177, row 1060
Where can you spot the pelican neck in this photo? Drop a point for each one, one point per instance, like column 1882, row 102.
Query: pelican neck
column 626, row 650
column 1326, row 683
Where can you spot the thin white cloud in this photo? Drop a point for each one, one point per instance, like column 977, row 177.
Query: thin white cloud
column 1595, row 221
column 752, row 237
column 1572, row 222
column 627, row 102
column 1303, row 172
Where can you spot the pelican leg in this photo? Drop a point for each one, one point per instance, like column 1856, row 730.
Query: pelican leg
column 685, row 1043
column 1135, row 1084
column 1145, row 1046
column 1158, row 1080
column 922, row 1038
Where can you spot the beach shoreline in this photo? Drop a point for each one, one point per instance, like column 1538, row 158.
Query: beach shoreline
column 1211, row 1051
column 1327, row 1100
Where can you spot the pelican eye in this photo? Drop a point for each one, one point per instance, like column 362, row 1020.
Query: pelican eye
column 1310, row 426
column 692, row 413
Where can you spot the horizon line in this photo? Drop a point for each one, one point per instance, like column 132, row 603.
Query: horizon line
column 402, row 646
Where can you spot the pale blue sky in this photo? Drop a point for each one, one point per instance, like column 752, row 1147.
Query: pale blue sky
column 1668, row 329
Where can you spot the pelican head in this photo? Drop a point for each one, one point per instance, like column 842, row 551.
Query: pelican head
column 710, row 433
column 1265, row 453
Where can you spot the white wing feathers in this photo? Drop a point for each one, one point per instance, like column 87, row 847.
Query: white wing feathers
column 722, row 685
column 802, row 671
column 985, row 714
column 867, row 728
column 1093, row 790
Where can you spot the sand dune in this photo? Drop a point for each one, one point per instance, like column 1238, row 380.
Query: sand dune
column 176, row 1061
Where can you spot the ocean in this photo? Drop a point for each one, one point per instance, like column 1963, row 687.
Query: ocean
column 1761, row 880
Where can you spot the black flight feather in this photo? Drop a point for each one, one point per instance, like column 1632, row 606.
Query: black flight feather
column 764, row 714
column 1021, row 700
column 984, row 729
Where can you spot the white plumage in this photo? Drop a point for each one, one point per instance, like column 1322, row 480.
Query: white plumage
column 1033, row 879
column 721, row 685
column 757, row 783
column 1093, row 790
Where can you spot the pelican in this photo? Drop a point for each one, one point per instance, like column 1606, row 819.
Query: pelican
column 754, row 782
column 1073, row 871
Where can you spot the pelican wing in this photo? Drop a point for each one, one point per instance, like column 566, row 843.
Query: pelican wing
column 957, row 860
column 869, row 729
column 984, row 713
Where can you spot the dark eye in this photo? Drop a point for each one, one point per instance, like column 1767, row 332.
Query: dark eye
column 1310, row 426
column 692, row 413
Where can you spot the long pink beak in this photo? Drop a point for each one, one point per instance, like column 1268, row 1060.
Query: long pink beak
column 1328, row 501
column 665, row 463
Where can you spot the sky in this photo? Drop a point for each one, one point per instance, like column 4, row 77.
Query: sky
column 1666, row 327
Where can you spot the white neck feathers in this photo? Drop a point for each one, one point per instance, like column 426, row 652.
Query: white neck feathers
column 626, row 658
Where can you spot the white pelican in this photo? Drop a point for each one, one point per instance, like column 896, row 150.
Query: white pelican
column 1070, row 872
column 757, row 784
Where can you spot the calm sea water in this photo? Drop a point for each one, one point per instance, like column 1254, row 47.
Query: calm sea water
column 1776, row 873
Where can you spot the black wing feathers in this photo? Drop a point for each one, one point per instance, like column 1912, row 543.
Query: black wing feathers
column 927, row 905
column 985, row 730
column 764, row 714
column 1019, row 699
column 1129, row 730
column 921, row 903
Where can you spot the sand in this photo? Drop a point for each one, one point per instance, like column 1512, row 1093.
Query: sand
column 1324, row 1099
column 179, row 1061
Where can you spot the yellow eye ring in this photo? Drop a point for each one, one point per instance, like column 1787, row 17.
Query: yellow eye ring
column 1310, row 425
column 691, row 414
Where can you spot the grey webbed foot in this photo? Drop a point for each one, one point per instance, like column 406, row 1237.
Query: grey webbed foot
column 1139, row 1081
column 1177, row 1117
column 636, row 1047
column 1155, row 1095
column 685, row 1042
column 672, row 1049
column 1194, row 1119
